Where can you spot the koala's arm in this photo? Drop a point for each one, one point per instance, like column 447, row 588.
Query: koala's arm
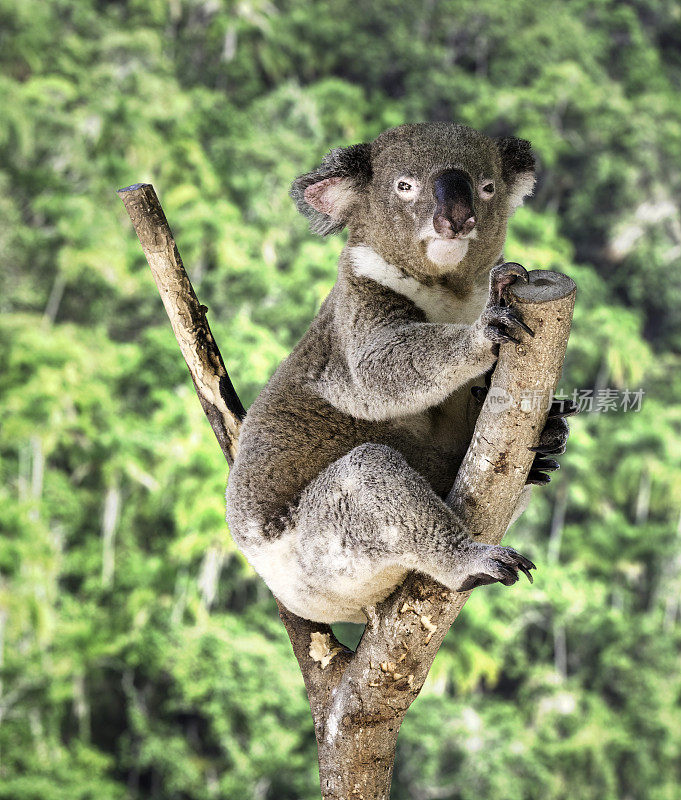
column 400, row 366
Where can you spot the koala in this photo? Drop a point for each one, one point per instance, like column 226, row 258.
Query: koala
column 346, row 457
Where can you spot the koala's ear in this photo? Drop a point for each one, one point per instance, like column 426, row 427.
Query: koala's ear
column 517, row 168
column 326, row 195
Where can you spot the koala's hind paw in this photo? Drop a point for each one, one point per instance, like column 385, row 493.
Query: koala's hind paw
column 502, row 324
column 496, row 563
column 502, row 276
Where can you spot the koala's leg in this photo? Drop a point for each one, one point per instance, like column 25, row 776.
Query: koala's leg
column 370, row 511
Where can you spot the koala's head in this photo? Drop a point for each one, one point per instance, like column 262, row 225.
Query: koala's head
column 431, row 198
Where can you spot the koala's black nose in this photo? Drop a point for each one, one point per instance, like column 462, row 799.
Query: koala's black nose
column 454, row 214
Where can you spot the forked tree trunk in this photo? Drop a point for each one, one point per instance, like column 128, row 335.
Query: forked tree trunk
column 358, row 700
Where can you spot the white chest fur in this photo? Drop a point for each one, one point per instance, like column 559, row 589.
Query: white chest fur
column 437, row 302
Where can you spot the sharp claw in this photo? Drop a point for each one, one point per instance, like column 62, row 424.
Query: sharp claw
column 515, row 320
column 507, row 564
column 525, row 327
column 524, row 560
column 538, row 478
column 497, row 335
column 520, row 272
column 546, row 464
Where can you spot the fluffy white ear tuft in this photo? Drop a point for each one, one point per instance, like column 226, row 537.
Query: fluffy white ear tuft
column 521, row 187
column 331, row 196
column 517, row 168
column 326, row 195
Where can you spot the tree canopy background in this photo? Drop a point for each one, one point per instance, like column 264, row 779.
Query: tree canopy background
column 140, row 657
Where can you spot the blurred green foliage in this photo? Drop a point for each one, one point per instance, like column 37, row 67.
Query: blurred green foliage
column 140, row 657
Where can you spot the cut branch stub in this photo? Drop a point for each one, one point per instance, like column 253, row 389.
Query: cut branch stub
column 187, row 316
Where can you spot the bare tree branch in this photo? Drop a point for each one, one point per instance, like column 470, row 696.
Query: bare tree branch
column 358, row 700
column 187, row 316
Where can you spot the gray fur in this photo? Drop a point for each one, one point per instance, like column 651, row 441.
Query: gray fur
column 345, row 456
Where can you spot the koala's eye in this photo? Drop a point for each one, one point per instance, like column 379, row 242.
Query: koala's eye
column 406, row 187
column 487, row 190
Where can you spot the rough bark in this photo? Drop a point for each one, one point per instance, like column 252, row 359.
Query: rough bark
column 358, row 700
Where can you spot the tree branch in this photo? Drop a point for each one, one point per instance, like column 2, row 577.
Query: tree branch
column 358, row 700
column 187, row 316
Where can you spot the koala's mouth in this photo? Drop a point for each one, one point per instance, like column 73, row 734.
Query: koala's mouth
column 430, row 235
column 446, row 252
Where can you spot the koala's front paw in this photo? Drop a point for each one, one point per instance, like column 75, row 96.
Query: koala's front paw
column 502, row 324
column 490, row 563
column 501, row 277
column 552, row 442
